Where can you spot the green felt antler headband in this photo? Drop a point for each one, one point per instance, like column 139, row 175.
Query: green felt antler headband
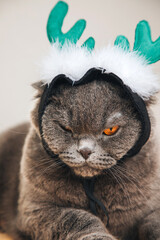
column 54, row 25
column 68, row 58
column 143, row 42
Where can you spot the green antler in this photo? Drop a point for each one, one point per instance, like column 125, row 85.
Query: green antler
column 143, row 42
column 123, row 42
column 54, row 25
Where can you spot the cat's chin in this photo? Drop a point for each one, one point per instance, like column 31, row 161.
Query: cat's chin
column 86, row 171
column 89, row 169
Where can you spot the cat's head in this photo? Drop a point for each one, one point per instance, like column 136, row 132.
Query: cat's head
column 89, row 126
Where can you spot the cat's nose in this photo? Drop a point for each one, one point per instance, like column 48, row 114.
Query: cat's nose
column 85, row 152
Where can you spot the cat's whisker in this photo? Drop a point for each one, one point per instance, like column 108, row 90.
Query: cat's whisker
column 130, row 177
column 50, row 167
column 42, row 164
column 133, row 175
column 122, row 184
column 130, row 172
column 139, row 190
column 125, row 184
column 44, row 161
column 115, row 177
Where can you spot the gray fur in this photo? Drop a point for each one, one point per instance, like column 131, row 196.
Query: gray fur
column 49, row 201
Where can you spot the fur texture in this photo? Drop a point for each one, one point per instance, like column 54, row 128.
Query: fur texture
column 74, row 62
column 43, row 197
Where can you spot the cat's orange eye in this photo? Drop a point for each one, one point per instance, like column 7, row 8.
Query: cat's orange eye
column 111, row 131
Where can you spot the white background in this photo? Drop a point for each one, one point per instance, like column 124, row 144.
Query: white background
column 23, row 41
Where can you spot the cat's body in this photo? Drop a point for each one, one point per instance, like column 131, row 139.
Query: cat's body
column 49, row 201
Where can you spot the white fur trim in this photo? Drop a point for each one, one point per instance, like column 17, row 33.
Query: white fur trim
column 74, row 62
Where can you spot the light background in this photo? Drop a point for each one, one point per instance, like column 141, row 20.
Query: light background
column 23, row 41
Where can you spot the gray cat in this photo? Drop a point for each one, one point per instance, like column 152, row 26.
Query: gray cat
column 86, row 190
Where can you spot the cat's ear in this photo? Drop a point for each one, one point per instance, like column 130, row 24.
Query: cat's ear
column 151, row 101
column 39, row 87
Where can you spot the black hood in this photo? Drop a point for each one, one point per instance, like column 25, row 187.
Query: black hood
column 97, row 74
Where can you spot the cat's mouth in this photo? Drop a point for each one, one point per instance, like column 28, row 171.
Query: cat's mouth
column 90, row 169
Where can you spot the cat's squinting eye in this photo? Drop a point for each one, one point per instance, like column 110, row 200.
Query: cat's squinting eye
column 66, row 128
column 111, row 131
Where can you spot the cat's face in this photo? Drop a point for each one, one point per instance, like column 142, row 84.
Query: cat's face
column 74, row 122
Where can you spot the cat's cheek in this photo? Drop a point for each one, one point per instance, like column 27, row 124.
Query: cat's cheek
column 115, row 147
column 55, row 145
column 57, row 140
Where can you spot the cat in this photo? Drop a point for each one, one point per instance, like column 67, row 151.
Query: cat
column 43, row 197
